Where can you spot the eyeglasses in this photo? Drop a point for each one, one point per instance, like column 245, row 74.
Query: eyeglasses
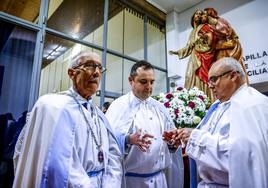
column 213, row 79
column 91, row 65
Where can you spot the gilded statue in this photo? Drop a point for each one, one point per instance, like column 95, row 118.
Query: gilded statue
column 201, row 48
column 211, row 38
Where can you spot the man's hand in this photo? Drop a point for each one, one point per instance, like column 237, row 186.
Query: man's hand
column 182, row 134
column 171, row 137
column 168, row 138
column 172, row 52
column 142, row 141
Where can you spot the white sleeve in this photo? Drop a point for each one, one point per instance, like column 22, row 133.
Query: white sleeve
column 113, row 175
column 77, row 174
column 211, row 150
column 19, row 143
column 18, row 148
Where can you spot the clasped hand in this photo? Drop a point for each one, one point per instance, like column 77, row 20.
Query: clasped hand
column 142, row 141
column 177, row 137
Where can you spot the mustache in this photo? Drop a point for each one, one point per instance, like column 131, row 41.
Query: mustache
column 94, row 80
column 95, row 76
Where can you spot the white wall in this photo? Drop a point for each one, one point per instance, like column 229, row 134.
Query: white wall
column 249, row 18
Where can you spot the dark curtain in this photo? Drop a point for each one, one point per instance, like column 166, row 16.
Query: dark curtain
column 17, row 47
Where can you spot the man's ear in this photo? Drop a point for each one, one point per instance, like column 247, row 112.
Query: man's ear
column 72, row 73
column 234, row 75
column 130, row 79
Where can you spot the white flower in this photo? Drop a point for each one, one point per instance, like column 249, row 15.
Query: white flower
column 192, row 93
column 186, row 107
column 162, row 95
column 196, row 120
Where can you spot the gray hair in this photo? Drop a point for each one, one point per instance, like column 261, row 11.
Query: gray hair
column 76, row 59
column 229, row 63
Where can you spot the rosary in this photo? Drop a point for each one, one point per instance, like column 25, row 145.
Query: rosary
column 93, row 113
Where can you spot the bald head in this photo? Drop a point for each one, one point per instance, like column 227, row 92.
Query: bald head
column 76, row 60
column 225, row 77
column 229, row 63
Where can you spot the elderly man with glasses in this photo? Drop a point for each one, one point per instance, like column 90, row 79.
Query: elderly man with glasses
column 67, row 141
column 230, row 144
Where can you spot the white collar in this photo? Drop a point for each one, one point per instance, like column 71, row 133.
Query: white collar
column 238, row 90
column 136, row 100
column 79, row 97
column 224, row 103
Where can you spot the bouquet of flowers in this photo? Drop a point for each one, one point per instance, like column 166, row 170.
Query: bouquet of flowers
column 186, row 107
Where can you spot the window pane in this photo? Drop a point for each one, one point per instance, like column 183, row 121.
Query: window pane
column 44, row 81
column 96, row 101
column 115, row 26
column 81, row 19
column 125, row 31
column 108, row 102
column 114, row 71
column 133, row 35
column 160, row 84
column 115, row 33
column 17, row 47
column 57, row 55
column 28, row 10
column 127, row 67
column 156, row 46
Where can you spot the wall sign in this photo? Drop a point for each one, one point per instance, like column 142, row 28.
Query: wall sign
column 257, row 66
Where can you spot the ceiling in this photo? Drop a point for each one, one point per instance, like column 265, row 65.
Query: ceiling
column 25, row 9
column 78, row 23
column 176, row 5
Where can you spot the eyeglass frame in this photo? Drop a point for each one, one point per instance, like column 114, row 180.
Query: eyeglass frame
column 90, row 64
column 213, row 79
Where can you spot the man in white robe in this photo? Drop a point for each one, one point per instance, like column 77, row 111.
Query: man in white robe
column 230, row 144
column 139, row 122
column 67, row 141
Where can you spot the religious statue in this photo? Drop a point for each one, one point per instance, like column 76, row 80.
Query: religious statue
column 201, row 48
column 212, row 38
column 228, row 44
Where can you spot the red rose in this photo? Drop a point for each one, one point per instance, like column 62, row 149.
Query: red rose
column 191, row 104
column 179, row 88
column 201, row 97
column 167, row 104
column 169, row 96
